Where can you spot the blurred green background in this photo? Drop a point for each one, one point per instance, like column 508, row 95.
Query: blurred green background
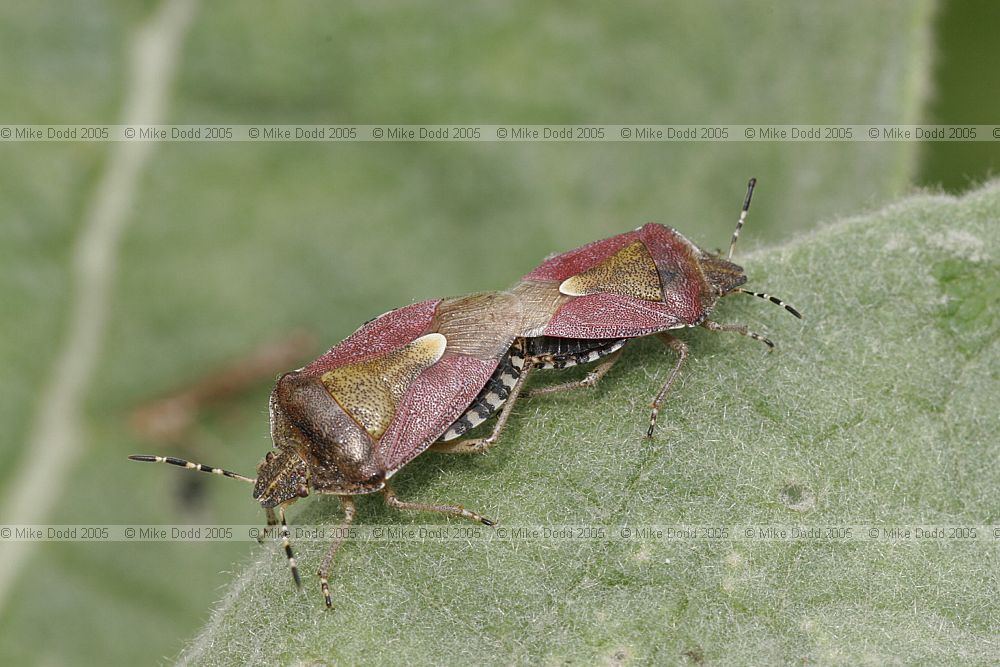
column 229, row 245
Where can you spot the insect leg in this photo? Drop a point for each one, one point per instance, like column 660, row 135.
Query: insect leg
column 324, row 569
column 287, row 544
column 739, row 329
column 475, row 445
column 590, row 380
column 681, row 349
column 272, row 521
column 393, row 500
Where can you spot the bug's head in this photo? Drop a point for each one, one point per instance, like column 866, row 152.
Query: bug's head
column 281, row 477
column 721, row 274
column 318, row 441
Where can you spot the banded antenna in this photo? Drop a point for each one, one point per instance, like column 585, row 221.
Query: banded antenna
column 773, row 299
column 743, row 217
column 272, row 520
column 732, row 246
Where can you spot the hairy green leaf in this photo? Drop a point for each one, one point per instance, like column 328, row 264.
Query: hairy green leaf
column 879, row 407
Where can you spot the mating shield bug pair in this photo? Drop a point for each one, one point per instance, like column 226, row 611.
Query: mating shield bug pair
column 421, row 376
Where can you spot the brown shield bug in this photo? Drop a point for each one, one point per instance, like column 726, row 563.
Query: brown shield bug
column 644, row 282
column 348, row 421
column 586, row 304
column 421, row 376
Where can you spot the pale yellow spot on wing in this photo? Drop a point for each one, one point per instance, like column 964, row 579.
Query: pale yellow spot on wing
column 369, row 391
column 629, row 272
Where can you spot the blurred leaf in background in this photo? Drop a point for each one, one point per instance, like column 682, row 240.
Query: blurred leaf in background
column 966, row 91
column 230, row 244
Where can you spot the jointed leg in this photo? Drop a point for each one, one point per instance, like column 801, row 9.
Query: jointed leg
column 455, row 510
column 475, row 445
column 590, row 380
column 272, row 521
column 681, row 349
column 287, row 544
column 737, row 328
column 324, row 569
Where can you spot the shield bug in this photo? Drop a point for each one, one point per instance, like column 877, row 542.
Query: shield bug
column 648, row 281
column 586, row 304
column 421, row 376
column 347, row 422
